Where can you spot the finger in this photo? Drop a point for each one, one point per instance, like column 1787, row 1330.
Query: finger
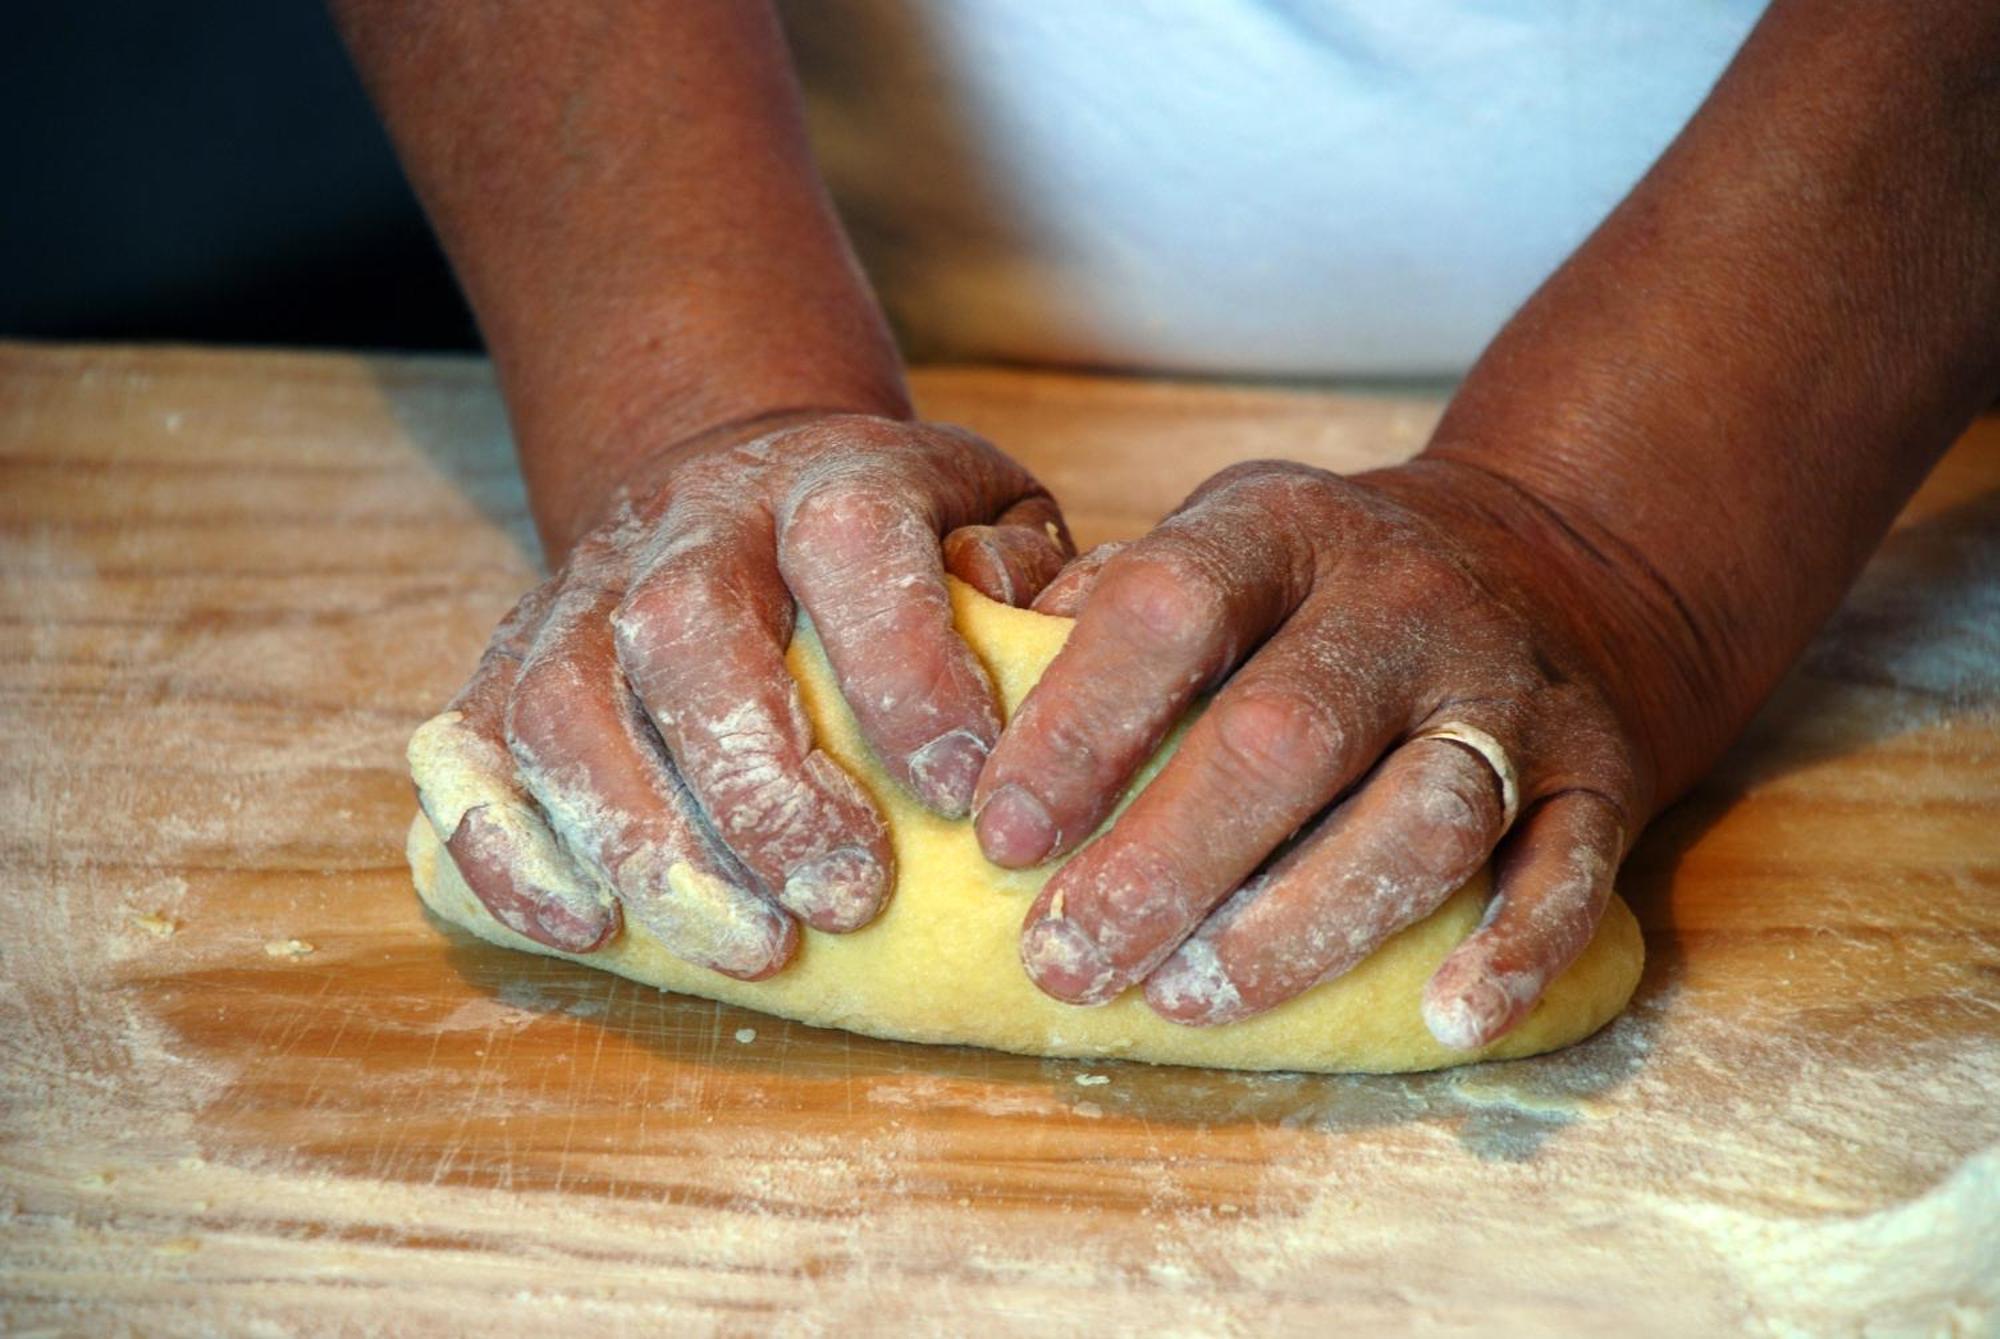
column 593, row 762
column 500, row 844
column 1293, row 729
column 1015, row 557
column 1168, row 617
column 1551, row 888
column 1064, row 596
column 701, row 636
column 1409, row 838
column 864, row 561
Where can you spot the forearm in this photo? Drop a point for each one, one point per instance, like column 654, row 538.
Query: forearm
column 1728, row 392
column 627, row 196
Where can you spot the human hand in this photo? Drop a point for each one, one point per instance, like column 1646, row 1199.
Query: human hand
column 1414, row 648
column 632, row 743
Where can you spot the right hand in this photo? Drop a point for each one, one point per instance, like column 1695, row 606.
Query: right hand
column 632, row 743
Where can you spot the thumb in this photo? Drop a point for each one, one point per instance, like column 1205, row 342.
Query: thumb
column 1012, row 559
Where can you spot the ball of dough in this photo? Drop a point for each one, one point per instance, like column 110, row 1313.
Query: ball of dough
column 940, row 964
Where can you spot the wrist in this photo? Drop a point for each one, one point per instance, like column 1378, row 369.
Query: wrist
column 582, row 450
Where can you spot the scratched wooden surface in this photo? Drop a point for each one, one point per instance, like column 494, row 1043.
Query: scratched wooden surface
column 249, row 1088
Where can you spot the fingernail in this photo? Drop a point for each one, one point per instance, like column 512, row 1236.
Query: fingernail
column 1192, row 988
column 570, row 921
column 997, row 581
column 1467, row 1020
column 836, row 892
column 1065, row 963
column 574, row 933
column 1014, row 828
column 944, row 771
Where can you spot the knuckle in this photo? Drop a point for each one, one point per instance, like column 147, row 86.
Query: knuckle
column 849, row 432
column 1093, row 561
column 1269, row 732
column 1278, row 488
column 1457, row 812
column 540, row 712
column 765, row 810
column 843, row 510
column 1165, row 599
column 663, row 614
column 1255, row 473
column 1290, row 482
column 517, row 628
column 918, row 681
column 954, row 441
column 863, row 536
column 1066, row 744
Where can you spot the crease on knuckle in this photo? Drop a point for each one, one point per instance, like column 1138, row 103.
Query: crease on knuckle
column 1264, row 472
column 1456, row 813
column 1166, row 602
column 919, row 685
column 541, row 712
column 1288, row 485
column 873, row 612
column 1081, row 752
column 657, row 619
column 835, row 511
column 758, row 788
column 1270, row 734
column 873, row 559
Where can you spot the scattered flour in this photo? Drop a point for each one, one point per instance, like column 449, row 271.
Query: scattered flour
column 1720, row 1162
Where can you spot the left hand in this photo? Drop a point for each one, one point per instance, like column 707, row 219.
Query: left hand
column 1307, row 816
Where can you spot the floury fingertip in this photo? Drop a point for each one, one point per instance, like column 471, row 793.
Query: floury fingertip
column 837, row 892
column 1064, row 962
column 944, row 772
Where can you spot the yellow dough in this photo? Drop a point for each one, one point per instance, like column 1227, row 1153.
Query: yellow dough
column 940, row 963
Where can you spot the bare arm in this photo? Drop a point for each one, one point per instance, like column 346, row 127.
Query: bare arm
column 627, row 196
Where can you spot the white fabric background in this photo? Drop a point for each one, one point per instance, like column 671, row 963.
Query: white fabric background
column 1320, row 187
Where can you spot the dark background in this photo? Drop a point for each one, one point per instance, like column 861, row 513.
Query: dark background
column 208, row 172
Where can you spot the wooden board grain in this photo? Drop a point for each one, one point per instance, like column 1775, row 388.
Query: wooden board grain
column 248, row 1087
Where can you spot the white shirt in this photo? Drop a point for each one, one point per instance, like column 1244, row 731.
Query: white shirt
column 1319, row 187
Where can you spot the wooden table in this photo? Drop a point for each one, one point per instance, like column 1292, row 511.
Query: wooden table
column 249, row 1088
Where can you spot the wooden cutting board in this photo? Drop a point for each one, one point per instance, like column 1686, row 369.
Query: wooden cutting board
column 249, row 1088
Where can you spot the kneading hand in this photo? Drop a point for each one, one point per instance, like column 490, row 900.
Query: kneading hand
column 632, row 743
column 1393, row 683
